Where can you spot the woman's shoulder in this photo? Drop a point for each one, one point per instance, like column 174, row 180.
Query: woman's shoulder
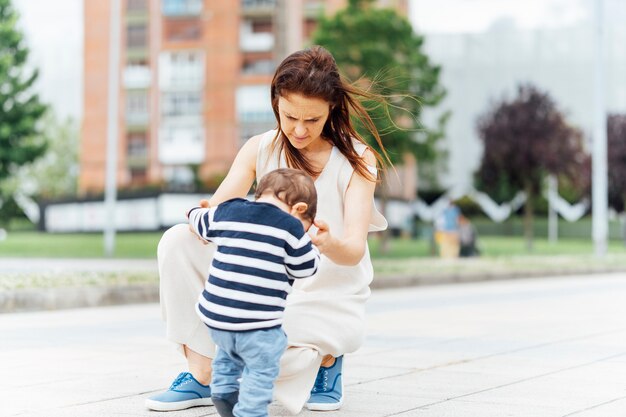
column 364, row 151
column 256, row 142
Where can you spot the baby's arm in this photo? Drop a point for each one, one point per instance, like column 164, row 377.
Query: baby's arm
column 199, row 221
column 304, row 259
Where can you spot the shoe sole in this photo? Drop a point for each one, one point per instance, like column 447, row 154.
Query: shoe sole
column 326, row 406
column 177, row 405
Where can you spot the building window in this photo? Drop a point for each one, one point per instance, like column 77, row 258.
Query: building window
column 182, row 29
column 182, row 103
column 137, row 145
column 175, row 8
column 136, row 5
column 137, row 107
column 181, row 70
column 137, row 35
column 138, row 175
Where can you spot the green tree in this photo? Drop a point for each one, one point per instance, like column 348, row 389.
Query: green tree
column 525, row 139
column 55, row 174
column 20, row 108
column 377, row 48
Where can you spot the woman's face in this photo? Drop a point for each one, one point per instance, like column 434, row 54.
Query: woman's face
column 302, row 118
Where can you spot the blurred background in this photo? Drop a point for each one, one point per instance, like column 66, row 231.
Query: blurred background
column 495, row 112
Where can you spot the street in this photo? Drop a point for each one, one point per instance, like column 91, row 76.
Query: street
column 545, row 347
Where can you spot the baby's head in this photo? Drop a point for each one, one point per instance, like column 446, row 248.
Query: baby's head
column 294, row 189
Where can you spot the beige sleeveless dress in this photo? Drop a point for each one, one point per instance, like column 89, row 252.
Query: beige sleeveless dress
column 325, row 314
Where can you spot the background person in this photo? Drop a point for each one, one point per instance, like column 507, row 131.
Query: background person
column 447, row 231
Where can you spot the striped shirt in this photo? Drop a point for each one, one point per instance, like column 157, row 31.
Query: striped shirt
column 260, row 251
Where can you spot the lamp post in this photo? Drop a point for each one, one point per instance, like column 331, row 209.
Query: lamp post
column 599, row 155
column 110, row 191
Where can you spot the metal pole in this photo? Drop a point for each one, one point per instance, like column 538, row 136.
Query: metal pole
column 599, row 156
column 553, row 218
column 110, row 192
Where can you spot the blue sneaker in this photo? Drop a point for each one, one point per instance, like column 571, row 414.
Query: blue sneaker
column 185, row 392
column 224, row 403
column 327, row 392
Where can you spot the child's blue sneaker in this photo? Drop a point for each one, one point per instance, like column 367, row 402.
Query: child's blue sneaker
column 224, row 403
column 185, row 392
column 327, row 392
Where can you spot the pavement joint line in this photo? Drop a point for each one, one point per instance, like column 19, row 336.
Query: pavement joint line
column 596, row 406
column 530, row 347
column 519, row 381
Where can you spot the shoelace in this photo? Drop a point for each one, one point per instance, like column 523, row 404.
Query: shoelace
column 321, row 381
column 179, row 380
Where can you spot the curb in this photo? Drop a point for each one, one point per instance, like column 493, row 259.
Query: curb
column 24, row 300
column 469, row 277
column 48, row 299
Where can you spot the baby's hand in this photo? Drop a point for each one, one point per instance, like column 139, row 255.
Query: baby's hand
column 322, row 238
column 203, row 203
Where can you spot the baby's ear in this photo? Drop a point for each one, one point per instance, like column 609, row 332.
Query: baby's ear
column 300, row 207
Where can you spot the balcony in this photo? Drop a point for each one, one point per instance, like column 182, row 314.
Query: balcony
column 137, row 77
column 181, row 8
column 251, row 41
column 180, row 145
column 137, row 119
column 258, row 7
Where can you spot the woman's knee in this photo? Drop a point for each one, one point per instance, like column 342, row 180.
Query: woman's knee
column 173, row 238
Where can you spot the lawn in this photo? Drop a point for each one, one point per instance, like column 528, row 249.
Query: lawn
column 143, row 245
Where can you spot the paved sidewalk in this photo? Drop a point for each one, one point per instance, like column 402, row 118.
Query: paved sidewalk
column 551, row 347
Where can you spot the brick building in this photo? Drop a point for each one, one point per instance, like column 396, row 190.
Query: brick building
column 194, row 82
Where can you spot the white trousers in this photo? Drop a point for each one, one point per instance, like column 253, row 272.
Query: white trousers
column 183, row 268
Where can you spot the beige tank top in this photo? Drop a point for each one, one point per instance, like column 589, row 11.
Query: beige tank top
column 331, row 186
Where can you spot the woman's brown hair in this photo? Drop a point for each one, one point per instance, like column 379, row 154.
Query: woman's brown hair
column 313, row 72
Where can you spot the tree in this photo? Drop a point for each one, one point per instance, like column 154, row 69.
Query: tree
column 378, row 48
column 55, row 174
column 20, row 108
column 524, row 140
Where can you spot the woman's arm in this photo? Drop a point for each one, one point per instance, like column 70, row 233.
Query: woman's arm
column 241, row 175
column 356, row 212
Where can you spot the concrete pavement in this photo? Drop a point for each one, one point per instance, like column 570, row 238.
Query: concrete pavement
column 540, row 347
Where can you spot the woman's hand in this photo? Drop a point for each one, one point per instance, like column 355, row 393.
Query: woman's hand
column 322, row 239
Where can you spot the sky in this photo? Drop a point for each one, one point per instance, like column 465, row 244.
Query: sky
column 54, row 29
column 54, row 34
column 455, row 16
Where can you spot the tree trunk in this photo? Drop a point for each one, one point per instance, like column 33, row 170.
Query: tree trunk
column 623, row 217
column 385, row 246
column 528, row 219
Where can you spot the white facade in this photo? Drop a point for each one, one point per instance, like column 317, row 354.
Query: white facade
column 480, row 68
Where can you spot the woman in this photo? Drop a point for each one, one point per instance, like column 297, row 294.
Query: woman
column 324, row 318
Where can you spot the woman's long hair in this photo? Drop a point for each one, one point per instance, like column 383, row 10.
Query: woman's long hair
column 313, row 72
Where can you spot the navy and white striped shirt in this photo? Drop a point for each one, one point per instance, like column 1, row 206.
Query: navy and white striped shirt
column 260, row 251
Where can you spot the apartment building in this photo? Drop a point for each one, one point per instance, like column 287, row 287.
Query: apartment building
column 194, row 82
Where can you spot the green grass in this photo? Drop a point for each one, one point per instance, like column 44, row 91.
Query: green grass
column 143, row 245
column 50, row 245
column 497, row 246
column 406, row 258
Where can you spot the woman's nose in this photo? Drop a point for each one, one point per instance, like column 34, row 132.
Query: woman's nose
column 300, row 130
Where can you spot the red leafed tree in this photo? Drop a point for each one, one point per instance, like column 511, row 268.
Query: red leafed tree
column 524, row 140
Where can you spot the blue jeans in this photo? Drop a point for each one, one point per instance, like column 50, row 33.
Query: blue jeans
column 253, row 355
